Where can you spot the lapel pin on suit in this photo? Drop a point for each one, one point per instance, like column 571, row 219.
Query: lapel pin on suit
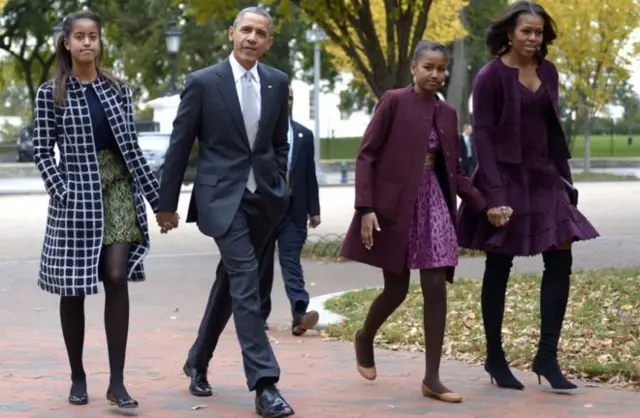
column 269, row 86
column 299, row 134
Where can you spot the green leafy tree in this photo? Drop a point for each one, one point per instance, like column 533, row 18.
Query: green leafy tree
column 479, row 15
column 27, row 39
column 14, row 99
column 26, row 28
column 593, row 52
column 135, row 45
column 375, row 39
column 290, row 41
column 470, row 53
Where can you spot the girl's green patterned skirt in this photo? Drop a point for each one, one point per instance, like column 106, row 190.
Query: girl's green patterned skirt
column 120, row 221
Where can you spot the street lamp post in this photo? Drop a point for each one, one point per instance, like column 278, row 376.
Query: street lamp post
column 173, row 37
column 316, row 36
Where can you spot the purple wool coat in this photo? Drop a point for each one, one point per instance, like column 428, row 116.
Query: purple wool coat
column 508, row 175
column 388, row 170
column 496, row 125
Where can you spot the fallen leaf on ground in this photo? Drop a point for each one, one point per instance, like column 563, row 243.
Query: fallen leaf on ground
column 600, row 337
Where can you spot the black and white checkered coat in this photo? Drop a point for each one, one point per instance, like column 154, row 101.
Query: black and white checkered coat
column 75, row 225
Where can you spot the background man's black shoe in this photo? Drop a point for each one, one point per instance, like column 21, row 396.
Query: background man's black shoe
column 304, row 321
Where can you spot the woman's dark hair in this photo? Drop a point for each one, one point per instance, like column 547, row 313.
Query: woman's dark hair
column 497, row 39
column 429, row 46
column 63, row 56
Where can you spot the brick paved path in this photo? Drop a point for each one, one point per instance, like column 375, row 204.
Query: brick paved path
column 319, row 380
column 319, row 377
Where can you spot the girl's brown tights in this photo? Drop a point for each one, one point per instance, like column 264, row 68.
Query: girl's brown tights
column 434, row 293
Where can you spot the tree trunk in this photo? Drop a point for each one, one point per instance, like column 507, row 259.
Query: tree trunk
column 383, row 68
column 458, row 78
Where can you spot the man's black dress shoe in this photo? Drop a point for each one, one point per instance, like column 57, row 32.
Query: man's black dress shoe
column 271, row 404
column 199, row 385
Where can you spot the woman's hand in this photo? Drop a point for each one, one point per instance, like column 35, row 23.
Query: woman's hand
column 368, row 224
column 499, row 216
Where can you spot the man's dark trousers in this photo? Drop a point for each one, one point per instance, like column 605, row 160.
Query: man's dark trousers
column 247, row 235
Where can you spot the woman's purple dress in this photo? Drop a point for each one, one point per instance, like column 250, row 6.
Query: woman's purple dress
column 543, row 217
column 432, row 237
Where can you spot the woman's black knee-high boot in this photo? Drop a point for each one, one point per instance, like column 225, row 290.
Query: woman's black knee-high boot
column 494, row 288
column 554, row 295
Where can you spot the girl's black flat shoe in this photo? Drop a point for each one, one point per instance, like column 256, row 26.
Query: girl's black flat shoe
column 125, row 402
column 78, row 399
column 78, row 392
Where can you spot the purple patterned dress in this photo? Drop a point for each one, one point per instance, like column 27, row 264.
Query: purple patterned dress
column 432, row 237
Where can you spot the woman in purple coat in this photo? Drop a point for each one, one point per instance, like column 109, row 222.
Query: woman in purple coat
column 407, row 178
column 523, row 165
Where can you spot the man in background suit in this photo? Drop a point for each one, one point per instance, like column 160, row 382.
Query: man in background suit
column 467, row 150
column 238, row 110
column 291, row 234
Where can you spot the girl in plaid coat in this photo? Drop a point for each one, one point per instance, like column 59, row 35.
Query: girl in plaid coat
column 96, row 224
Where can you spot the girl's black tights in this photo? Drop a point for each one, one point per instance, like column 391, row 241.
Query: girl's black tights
column 113, row 271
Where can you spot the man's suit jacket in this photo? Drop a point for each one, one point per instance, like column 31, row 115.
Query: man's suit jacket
column 305, row 200
column 210, row 110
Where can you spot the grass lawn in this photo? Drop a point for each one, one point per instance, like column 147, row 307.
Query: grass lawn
column 601, row 146
column 595, row 176
column 607, row 146
column 600, row 339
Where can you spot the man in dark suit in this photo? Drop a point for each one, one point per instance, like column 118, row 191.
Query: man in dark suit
column 238, row 111
column 467, row 150
column 291, row 234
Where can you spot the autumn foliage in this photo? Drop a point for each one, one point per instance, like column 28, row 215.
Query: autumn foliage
column 375, row 39
column 372, row 39
column 594, row 48
column 442, row 25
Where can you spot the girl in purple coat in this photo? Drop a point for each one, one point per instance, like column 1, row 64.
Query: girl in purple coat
column 523, row 166
column 407, row 177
